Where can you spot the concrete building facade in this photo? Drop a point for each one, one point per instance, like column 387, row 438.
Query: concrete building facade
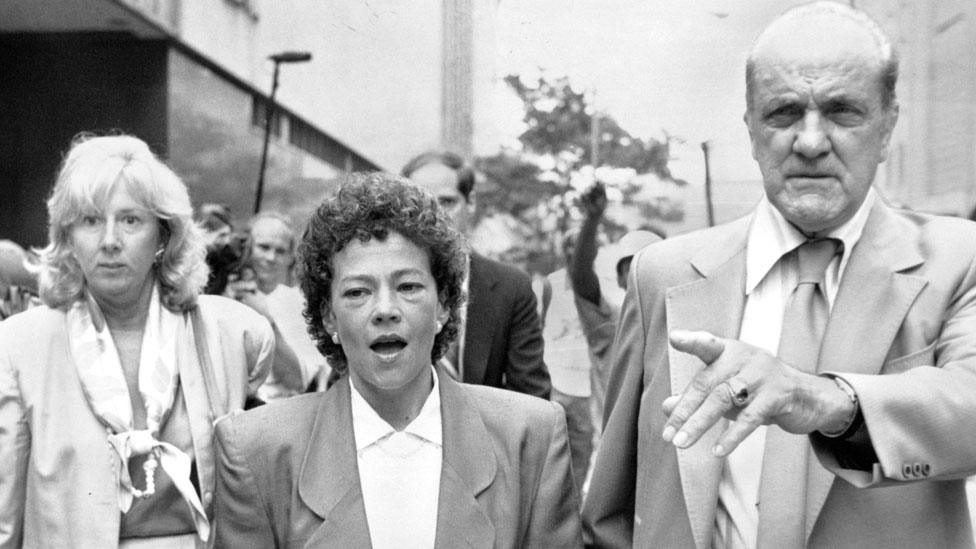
column 193, row 79
column 932, row 165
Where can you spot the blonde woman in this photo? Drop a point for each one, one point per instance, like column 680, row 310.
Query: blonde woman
column 109, row 391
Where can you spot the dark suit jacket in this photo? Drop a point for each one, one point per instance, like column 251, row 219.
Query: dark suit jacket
column 503, row 338
column 902, row 331
column 287, row 473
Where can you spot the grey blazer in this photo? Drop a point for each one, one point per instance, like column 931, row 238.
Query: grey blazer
column 902, row 331
column 287, row 473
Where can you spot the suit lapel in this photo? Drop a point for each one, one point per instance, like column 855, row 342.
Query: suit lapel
column 468, row 469
column 872, row 301
column 329, row 481
column 198, row 410
column 478, row 328
column 329, row 477
column 713, row 303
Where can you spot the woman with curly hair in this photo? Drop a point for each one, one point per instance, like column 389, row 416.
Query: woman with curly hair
column 396, row 453
column 108, row 393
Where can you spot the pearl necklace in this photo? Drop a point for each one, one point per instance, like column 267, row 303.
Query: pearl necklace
column 149, row 467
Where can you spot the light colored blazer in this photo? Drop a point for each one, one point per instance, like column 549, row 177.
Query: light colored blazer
column 287, row 474
column 56, row 485
column 904, row 326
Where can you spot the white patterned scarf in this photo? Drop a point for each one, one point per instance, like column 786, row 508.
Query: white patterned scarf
column 100, row 370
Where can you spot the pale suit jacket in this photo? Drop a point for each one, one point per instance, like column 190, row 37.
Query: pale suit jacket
column 902, row 331
column 57, row 488
column 287, row 473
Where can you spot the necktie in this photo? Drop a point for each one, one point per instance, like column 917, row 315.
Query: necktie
column 783, row 484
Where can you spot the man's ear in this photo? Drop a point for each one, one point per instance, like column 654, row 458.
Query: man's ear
column 747, row 118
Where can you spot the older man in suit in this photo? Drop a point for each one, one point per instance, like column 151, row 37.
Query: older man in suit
column 501, row 337
column 820, row 348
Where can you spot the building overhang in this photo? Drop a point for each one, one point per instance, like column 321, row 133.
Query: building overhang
column 143, row 20
column 73, row 16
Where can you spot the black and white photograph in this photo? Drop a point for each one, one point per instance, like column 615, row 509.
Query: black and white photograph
column 487, row 273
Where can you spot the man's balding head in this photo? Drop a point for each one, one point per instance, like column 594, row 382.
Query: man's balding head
column 811, row 23
column 450, row 178
column 820, row 111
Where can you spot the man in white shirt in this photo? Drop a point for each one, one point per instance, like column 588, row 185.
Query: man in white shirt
column 598, row 296
column 569, row 362
column 581, row 321
column 823, row 346
column 298, row 363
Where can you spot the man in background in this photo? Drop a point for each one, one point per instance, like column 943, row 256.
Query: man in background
column 501, row 337
column 597, row 304
column 298, row 364
column 568, row 359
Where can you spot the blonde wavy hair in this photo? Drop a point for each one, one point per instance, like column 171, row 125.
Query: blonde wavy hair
column 94, row 167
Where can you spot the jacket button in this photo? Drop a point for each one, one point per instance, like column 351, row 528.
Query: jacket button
column 917, row 469
column 926, row 469
column 906, row 470
column 207, row 498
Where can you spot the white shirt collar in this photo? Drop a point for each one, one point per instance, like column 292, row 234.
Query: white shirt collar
column 771, row 236
column 369, row 428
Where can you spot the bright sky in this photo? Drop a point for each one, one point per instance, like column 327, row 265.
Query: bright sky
column 656, row 66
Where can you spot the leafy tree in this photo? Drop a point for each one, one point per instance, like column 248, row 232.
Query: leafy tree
column 539, row 183
column 511, row 184
column 559, row 120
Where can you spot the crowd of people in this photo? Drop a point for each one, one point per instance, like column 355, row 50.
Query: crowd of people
column 800, row 377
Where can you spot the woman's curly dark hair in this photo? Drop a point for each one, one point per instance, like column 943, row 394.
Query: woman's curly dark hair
column 367, row 206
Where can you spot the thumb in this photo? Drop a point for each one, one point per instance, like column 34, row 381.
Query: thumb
column 704, row 345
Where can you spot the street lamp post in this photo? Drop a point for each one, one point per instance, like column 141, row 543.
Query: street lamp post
column 708, row 185
column 278, row 58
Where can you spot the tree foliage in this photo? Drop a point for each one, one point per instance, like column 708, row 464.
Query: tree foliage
column 539, row 182
column 559, row 120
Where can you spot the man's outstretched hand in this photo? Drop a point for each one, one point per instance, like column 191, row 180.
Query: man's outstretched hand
column 750, row 387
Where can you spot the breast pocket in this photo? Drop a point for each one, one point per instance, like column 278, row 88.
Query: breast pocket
column 922, row 357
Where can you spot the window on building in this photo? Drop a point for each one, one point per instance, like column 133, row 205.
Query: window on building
column 306, row 137
column 259, row 113
column 316, row 143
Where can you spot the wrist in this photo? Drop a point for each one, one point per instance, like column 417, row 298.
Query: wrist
column 844, row 415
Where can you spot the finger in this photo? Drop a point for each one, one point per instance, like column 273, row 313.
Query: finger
column 684, row 405
column 712, row 409
column 669, row 404
column 704, row 345
column 747, row 421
